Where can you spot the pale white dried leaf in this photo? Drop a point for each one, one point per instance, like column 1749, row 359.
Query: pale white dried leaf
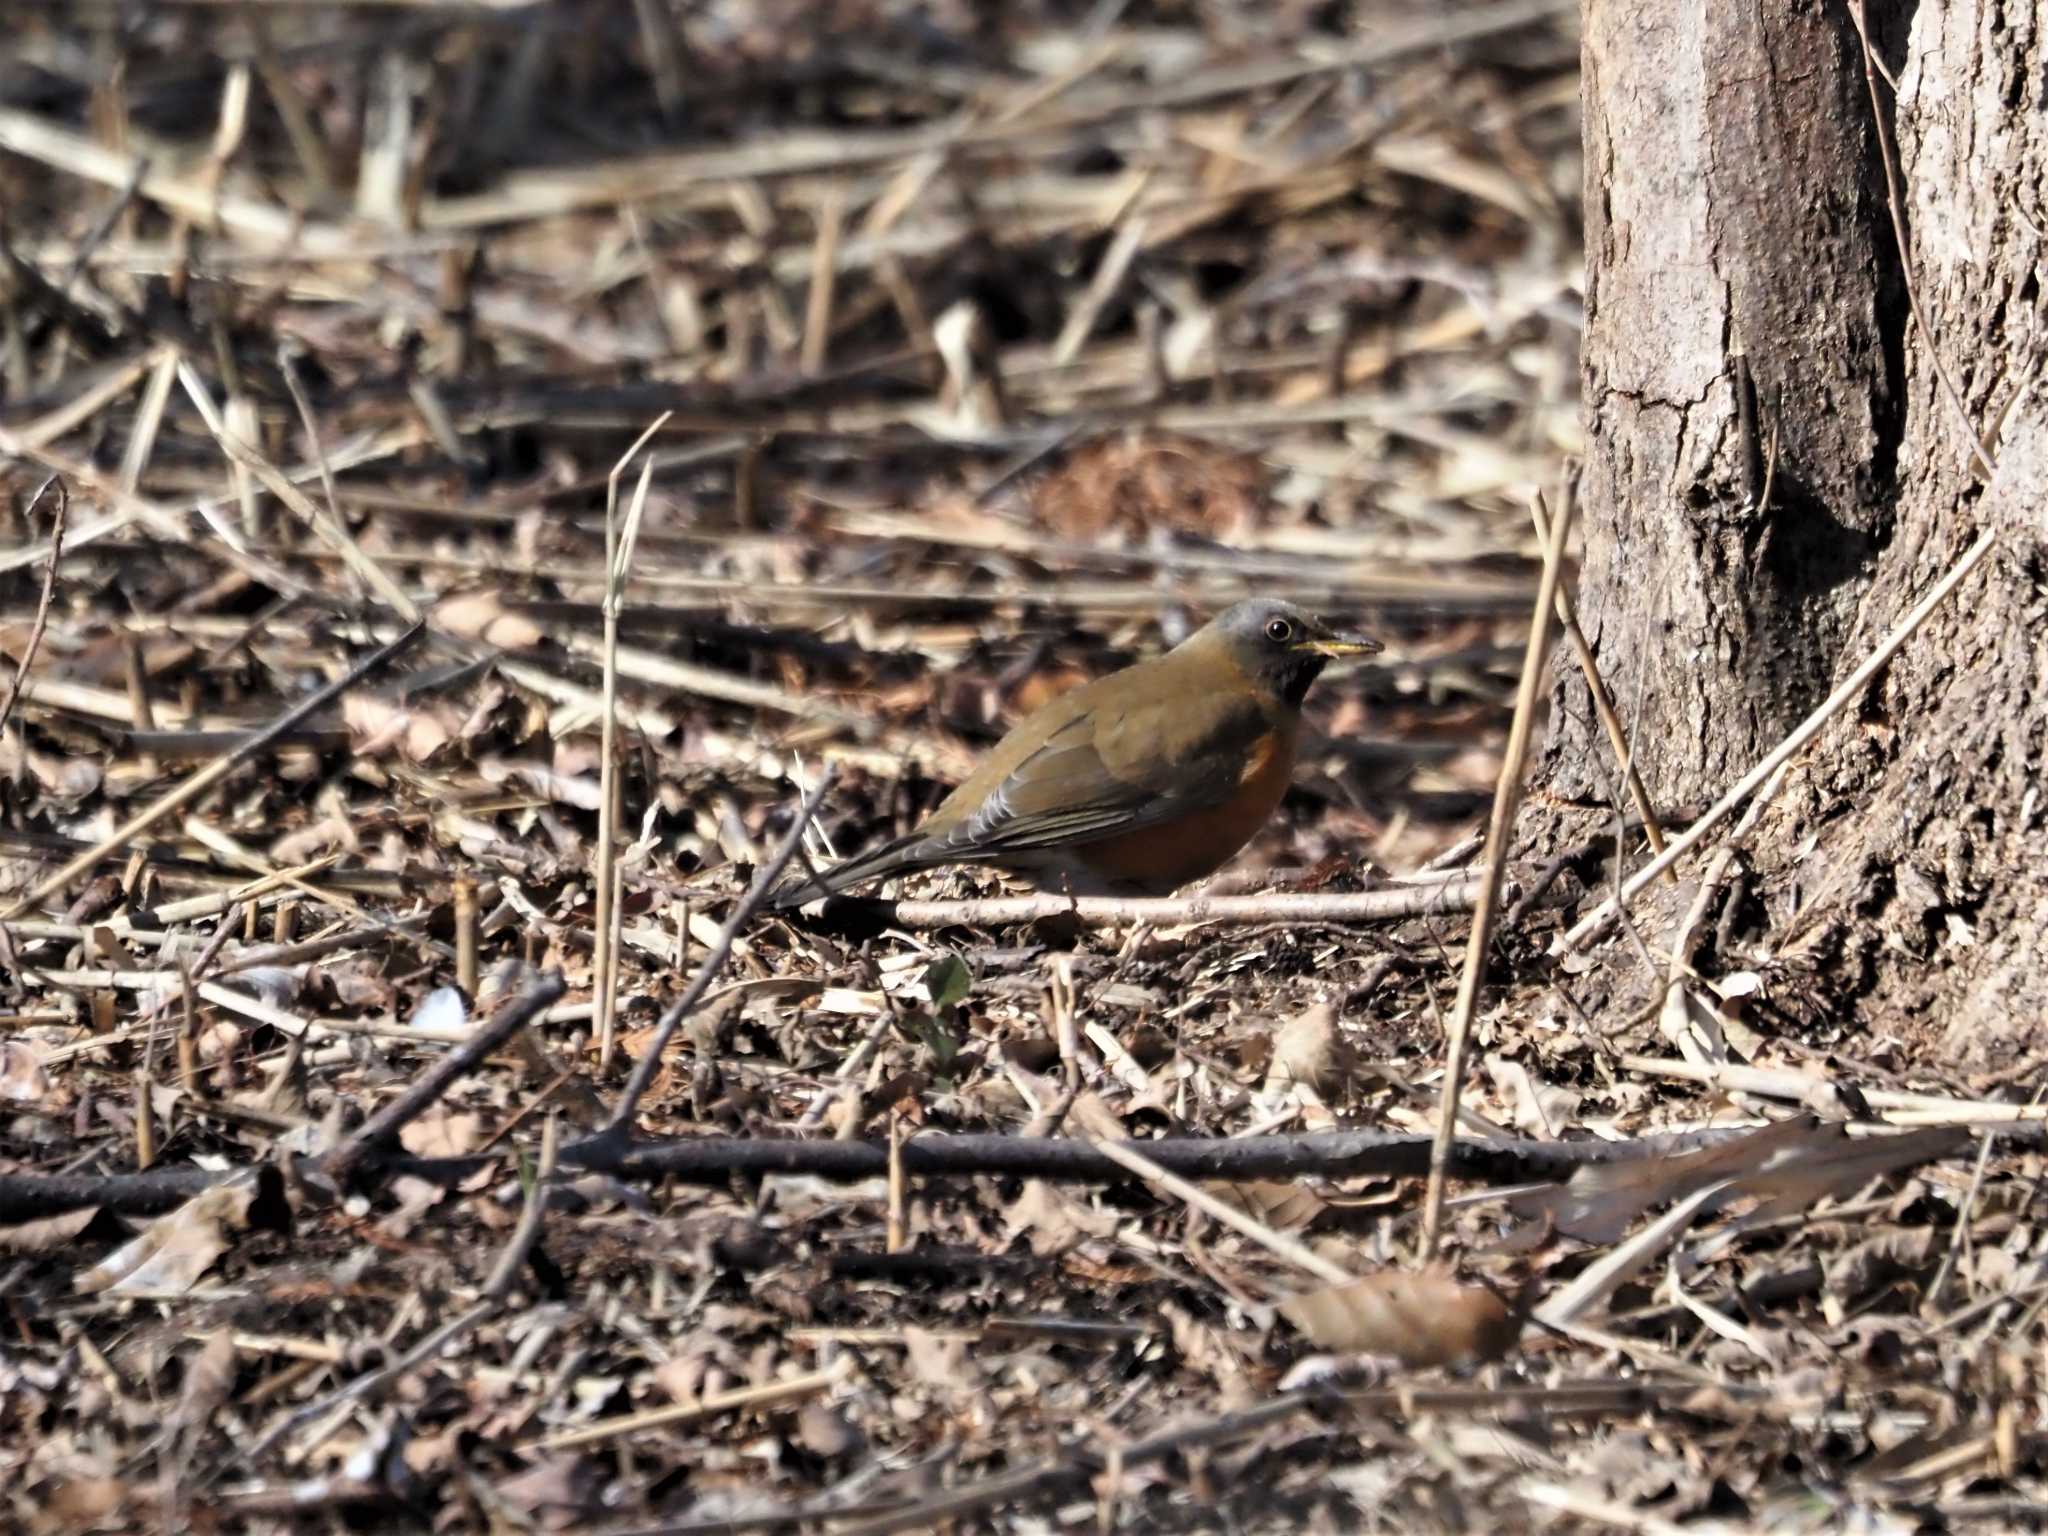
column 377, row 724
column 168, row 1256
column 1052, row 1220
column 562, row 789
column 22, row 1078
column 938, row 1362
column 440, row 1132
column 441, row 1008
column 1541, row 1109
column 483, row 616
column 824, row 1431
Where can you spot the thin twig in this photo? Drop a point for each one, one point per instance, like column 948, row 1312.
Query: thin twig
column 764, row 882
column 1507, row 796
column 382, row 1128
column 767, row 1395
column 42, row 619
column 204, row 780
column 1603, row 703
column 527, row 1232
column 1276, row 1243
column 1595, row 922
column 1457, row 894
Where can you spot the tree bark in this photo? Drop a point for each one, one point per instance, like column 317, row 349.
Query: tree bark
column 1775, row 473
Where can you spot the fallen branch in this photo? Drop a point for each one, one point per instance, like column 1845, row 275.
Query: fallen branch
column 1331, row 1154
column 381, row 1129
column 1433, row 899
column 716, row 1159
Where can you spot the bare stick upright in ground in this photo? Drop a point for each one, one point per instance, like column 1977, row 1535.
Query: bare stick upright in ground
column 42, row 619
column 618, row 559
column 1603, row 703
column 1507, row 795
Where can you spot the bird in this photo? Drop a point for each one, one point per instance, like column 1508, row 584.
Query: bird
column 1138, row 783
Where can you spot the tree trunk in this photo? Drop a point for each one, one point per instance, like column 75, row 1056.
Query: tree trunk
column 1776, row 473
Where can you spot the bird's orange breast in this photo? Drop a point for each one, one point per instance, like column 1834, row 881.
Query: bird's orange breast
column 1164, row 857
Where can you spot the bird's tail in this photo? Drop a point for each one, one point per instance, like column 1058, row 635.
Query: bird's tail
column 897, row 856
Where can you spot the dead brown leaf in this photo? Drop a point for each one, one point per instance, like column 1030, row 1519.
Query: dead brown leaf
column 1787, row 1166
column 1283, row 1205
column 1597, row 1203
column 483, row 616
column 1306, row 1050
column 209, row 1374
column 170, row 1254
column 49, row 1232
column 1420, row 1318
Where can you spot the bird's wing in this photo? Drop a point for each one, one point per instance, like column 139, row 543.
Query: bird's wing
column 1078, row 786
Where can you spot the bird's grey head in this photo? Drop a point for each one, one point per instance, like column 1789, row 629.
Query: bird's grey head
column 1281, row 647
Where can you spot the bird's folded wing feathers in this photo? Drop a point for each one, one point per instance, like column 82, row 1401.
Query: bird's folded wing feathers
column 1067, row 793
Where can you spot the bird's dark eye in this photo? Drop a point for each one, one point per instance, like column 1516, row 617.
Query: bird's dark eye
column 1279, row 631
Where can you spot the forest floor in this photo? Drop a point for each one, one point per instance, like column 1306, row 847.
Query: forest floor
column 893, row 367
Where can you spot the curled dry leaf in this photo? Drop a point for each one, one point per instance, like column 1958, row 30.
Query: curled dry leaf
column 441, row 1133
column 556, row 1493
column 22, row 1078
column 1053, row 1220
column 1306, row 1050
column 65, row 778
column 170, row 1254
column 1420, row 1318
column 824, row 1431
column 381, row 726
column 81, row 1502
column 581, row 793
column 209, row 1373
column 49, row 1232
column 1541, row 1109
column 483, row 616
column 1283, row 1205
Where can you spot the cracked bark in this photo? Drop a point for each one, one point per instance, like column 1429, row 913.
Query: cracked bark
column 1741, row 268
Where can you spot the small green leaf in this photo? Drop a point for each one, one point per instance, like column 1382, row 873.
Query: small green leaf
column 948, row 981
column 932, row 1034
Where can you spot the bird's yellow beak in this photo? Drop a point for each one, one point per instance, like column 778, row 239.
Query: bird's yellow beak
column 1334, row 645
